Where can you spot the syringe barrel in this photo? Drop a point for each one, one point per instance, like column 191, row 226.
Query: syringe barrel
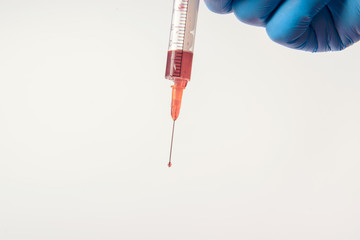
column 182, row 39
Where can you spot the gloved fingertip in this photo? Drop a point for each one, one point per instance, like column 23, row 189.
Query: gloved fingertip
column 276, row 34
column 219, row 6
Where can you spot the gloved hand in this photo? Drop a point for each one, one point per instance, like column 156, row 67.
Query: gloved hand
column 310, row 25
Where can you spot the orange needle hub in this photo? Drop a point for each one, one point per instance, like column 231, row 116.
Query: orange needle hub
column 177, row 93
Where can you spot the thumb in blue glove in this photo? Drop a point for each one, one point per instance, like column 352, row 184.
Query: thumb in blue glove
column 309, row 25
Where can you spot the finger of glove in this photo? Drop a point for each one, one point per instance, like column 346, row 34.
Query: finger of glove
column 254, row 12
column 219, row 6
column 346, row 17
column 326, row 34
column 290, row 24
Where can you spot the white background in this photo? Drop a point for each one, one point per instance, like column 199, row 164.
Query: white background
column 266, row 146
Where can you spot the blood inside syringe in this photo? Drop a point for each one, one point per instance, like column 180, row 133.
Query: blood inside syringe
column 179, row 64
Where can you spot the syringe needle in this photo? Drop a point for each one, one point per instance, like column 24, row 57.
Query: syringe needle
column 171, row 146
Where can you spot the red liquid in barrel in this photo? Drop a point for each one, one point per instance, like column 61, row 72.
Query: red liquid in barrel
column 179, row 65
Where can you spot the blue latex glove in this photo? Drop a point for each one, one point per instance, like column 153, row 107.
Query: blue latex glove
column 309, row 25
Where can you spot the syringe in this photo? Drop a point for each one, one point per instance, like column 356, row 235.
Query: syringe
column 180, row 54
